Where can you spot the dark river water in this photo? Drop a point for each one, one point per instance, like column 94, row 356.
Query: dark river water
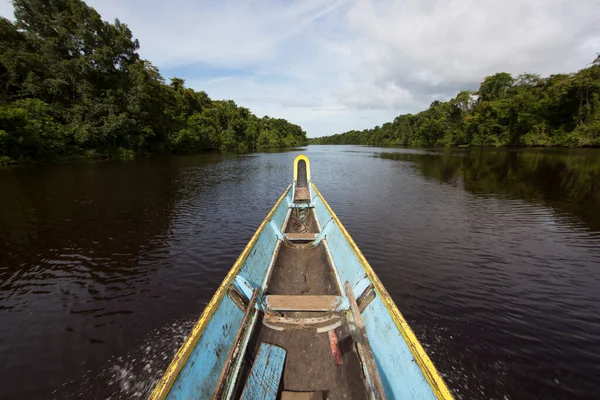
column 493, row 256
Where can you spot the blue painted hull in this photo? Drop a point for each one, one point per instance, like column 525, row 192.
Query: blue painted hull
column 404, row 369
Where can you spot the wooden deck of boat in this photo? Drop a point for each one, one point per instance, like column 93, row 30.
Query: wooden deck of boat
column 302, row 194
column 309, row 366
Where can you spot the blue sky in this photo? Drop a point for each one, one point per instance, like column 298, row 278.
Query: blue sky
column 336, row 65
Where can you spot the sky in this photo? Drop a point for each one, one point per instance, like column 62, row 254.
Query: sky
column 335, row 65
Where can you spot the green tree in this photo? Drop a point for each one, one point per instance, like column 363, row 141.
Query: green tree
column 560, row 110
column 73, row 85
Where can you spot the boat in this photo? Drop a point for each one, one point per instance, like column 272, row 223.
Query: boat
column 301, row 315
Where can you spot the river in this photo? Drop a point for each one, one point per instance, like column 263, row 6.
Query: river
column 492, row 255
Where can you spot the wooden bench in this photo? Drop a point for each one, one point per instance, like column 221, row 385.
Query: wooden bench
column 301, row 302
column 301, row 194
column 318, row 324
column 263, row 381
column 301, row 395
column 300, row 236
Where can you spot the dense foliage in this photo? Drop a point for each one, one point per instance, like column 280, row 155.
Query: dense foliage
column 560, row 110
column 73, row 85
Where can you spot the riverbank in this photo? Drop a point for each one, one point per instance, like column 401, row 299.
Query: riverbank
column 128, row 155
column 561, row 110
column 76, row 98
column 317, row 142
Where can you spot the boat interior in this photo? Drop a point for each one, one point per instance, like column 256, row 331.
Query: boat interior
column 310, row 341
column 301, row 315
column 301, row 270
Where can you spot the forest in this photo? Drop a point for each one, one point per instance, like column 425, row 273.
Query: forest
column 529, row 110
column 73, row 86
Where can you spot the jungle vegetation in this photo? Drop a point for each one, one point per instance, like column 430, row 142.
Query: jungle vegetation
column 73, row 85
column 529, row 110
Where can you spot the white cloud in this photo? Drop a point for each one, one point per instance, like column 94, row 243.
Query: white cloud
column 6, row 9
column 332, row 66
column 425, row 45
column 226, row 33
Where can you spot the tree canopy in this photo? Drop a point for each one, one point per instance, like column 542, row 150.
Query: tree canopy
column 73, row 85
column 560, row 110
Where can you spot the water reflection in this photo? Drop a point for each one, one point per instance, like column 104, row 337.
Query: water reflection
column 498, row 255
column 94, row 257
column 492, row 256
column 567, row 180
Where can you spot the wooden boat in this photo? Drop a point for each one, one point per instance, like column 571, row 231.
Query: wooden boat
column 301, row 315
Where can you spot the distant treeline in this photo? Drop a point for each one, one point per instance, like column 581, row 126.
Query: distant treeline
column 560, row 110
column 73, row 85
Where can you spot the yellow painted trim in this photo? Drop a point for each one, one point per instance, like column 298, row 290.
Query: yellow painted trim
column 162, row 388
column 302, row 157
column 431, row 374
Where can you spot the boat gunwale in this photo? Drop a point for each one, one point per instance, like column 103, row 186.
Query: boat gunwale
column 166, row 382
column 422, row 359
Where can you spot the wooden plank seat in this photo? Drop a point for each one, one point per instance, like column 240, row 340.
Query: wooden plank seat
column 301, row 194
column 301, row 395
column 301, row 236
column 319, row 324
column 301, row 302
column 265, row 375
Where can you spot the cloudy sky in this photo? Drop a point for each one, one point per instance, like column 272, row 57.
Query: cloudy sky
column 335, row 65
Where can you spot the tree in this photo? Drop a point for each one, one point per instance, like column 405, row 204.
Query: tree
column 495, row 87
column 73, row 85
column 560, row 110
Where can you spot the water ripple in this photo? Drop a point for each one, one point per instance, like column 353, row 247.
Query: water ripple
column 491, row 256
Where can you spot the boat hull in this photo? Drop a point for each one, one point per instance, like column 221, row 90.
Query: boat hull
column 195, row 369
column 405, row 371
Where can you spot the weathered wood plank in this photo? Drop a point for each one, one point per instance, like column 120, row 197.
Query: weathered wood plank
column 302, row 321
column 318, row 324
column 373, row 378
column 301, row 395
column 301, row 194
column 300, row 236
column 229, row 373
column 302, row 302
column 265, row 375
column 366, row 298
column 238, row 298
